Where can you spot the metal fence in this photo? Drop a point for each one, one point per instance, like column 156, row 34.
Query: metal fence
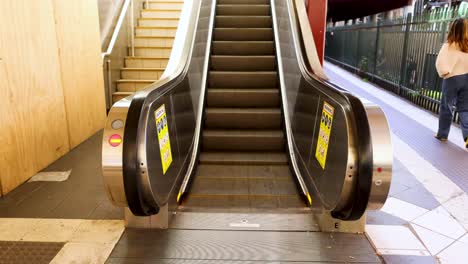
column 398, row 54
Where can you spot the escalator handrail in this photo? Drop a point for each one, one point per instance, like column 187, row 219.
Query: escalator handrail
column 357, row 114
column 173, row 76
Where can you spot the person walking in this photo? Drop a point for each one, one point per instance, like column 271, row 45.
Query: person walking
column 452, row 66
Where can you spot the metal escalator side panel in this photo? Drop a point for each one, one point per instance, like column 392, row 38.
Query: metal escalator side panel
column 382, row 155
column 112, row 148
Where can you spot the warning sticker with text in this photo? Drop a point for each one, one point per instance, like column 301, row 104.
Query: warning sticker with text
column 163, row 138
column 323, row 140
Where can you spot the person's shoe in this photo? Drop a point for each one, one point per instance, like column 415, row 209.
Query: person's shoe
column 440, row 138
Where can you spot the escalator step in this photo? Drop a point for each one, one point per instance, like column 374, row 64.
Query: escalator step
column 243, row 22
column 228, row 34
column 243, row 186
column 233, row 79
column 243, row 97
column 255, row 118
column 243, row 48
column 243, row 158
column 243, row 140
column 243, row 63
column 242, row 10
column 243, row 2
column 279, row 172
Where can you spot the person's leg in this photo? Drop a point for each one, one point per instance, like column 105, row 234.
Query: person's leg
column 462, row 106
column 449, row 95
column 464, row 125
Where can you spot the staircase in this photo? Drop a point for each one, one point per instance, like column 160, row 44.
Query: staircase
column 154, row 37
column 243, row 164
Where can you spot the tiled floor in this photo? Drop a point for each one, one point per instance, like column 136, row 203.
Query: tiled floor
column 425, row 219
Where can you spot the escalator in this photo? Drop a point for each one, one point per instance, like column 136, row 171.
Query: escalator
column 243, row 164
column 241, row 123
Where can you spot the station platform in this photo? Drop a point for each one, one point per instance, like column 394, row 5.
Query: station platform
column 425, row 219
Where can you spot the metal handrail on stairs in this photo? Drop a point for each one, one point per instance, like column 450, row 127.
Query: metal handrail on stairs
column 122, row 41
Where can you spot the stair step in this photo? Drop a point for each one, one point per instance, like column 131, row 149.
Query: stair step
column 152, row 41
column 236, row 34
column 148, row 51
column 141, row 73
column 243, row 10
column 166, row 5
column 155, row 32
column 165, row 14
column 146, row 62
column 158, row 22
column 243, row 63
column 243, row 158
column 243, row 140
column 243, row 2
column 243, row 48
column 253, row 118
column 243, row 22
column 117, row 96
column 132, row 85
column 243, row 97
column 233, row 79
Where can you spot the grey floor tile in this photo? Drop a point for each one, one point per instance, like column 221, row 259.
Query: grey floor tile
column 419, row 196
column 22, row 192
column 32, row 207
column 396, row 187
column 402, row 176
column 76, row 208
column 397, row 259
column 106, row 210
column 382, row 218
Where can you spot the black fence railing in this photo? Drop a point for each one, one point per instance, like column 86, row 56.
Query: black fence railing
column 398, row 55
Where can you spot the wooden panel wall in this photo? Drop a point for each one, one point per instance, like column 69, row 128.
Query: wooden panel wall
column 51, row 88
column 33, row 122
column 78, row 36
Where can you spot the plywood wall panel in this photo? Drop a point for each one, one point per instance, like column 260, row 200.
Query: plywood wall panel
column 77, row 25
column 33, row 131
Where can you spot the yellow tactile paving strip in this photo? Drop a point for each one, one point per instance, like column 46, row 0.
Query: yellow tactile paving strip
column 85, row 241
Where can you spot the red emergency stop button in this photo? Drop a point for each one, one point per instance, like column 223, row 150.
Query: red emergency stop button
column 115, row 140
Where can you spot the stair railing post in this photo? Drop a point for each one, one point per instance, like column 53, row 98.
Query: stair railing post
column 376, row 51
column 408, row 25
column 132, row 27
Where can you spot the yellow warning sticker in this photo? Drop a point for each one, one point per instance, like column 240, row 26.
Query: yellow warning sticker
column 326, row 122
column 163, row 138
